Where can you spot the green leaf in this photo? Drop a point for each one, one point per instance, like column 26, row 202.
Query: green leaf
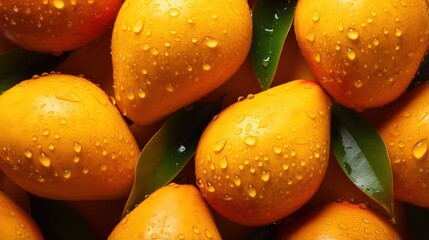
column 59, row 221
column 169, row 150
column 362, row 154
column 418, row 218
column 272, row 21
column 19, row 64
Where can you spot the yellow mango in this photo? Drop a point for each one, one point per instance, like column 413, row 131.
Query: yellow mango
column 262, row 158
column 63, row 139
column 172, row 212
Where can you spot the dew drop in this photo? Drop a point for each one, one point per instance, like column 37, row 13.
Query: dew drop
column 219, row 145
column 310, row 37
column 251, row 191
column 237, row 180
column 77, row 147
column 59, row 4
column 223, row 163
column 141, row 93
column 398, row 32
column 250, row 140
column 211, row 42
column 265, row 176
column 207, row 232
column 67, row 173
column 351, row 54
column 174, row 12
column 210, row 187
column 169, row 88
column 358, row 83
column 103, row 167
column 28, row 153
column 317, row 57
column 138, row 26
column 277, row 149
column 420, row 149
column 315, row 17
column 352, row 34
column 76, row 159
column 44, row 160
column 285, row 166
column 196, row 230
column 206, row 66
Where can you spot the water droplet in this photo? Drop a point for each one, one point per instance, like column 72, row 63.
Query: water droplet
column 420, row 149
column 103, row 167
column 358, row 83
column 174, row 12
column 77, row 147
column 277, row 149
column 285, row 166
column 219, row 145
column 169, row 88
column 266, row 61
column 265, row 176
column 208, row 234
column 342, row 226
column 44, row 159
column 315, row 17
column 196, row 230
column 40, row 178
column 251, row 191
column 28, row 153
column 138, row 26
column 310, row 37
column 250, row 140
column 352, row 34
column 154, row 51
column 398, row 32
column 70, row 97
column 365, row 220
column 67, row 173
column 223, row 163
column 351, row 54
column 262, row 123
column 59, row 4
column 401, row 144
column 76, row 159
column 211, row 42
column 317, row 57
column 289, row 181
column 206, row 66
column 51, row 146
column 210, row 187
column 63, row 121
column 237, row 180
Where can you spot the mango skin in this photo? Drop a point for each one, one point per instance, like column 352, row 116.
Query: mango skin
column 172, row 212
column 168, row 54
column 405, row 131
column 364, row 53
column 63, row 139
column 262, row 158
column 339, row 220
column 16, row 222
column 56, row 26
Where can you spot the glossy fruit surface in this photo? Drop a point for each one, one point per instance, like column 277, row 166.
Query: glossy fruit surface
column 364, row 53
column 172, row 212
column 16, row 223
column 168, row 54
column 404, row 128
column 341, row 220
column 63, row 139
column 262, row 158
column 56, row 26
